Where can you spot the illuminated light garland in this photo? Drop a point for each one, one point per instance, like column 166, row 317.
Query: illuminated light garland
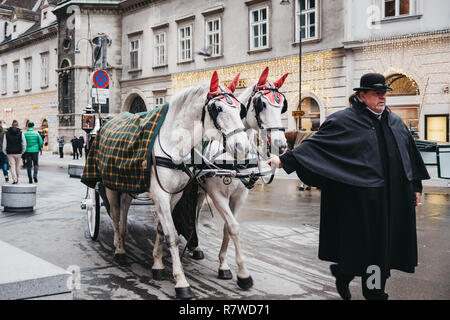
column 399, row 54
column 316, row 74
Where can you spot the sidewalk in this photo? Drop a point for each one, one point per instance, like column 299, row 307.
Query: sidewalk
column 48, row 159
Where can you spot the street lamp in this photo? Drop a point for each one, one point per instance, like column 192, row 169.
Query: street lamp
column 284, row 3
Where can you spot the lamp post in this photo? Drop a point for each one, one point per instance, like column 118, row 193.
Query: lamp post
column 285, row 3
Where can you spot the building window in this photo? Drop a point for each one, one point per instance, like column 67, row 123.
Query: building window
column 395, row 8
column 16, row 76
column 160, row 49
column 159, row 101
column 28, row 78
column 4, row 79
column 134, row 54
column 14, row 28
column 44, row 70
column 307, row 21
column 213, row 37
column 259, row 28
column 44, row 16
column 185, row 43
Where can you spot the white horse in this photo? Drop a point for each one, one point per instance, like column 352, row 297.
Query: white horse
column 265, row 104
column 188, row 120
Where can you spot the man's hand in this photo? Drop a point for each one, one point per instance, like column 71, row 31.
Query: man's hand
column 274, row 162
column 418, row 195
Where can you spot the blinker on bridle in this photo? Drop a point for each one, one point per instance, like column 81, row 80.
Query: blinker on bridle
column 259, row 109
column 214, row 111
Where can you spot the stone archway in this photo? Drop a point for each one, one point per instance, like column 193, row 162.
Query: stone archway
column 403, row 100
column 135, row 102
column 138, row 105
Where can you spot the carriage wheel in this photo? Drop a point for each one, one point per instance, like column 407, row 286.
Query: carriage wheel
column 93, row 212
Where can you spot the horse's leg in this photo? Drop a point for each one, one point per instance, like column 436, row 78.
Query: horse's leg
column 163, row 208
column 197, row 253
column 224, row 269
column 158, row 265
column 113, row 199
column 225, row 206
column 125, row 202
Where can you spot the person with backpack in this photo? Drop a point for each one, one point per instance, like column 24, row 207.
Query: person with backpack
column 14, row 145
column 34, row 143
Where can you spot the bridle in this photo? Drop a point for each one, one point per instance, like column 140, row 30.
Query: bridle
column 214, row 111
column 259, row 106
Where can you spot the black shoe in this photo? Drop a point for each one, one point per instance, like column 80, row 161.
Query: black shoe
column 6, row 178
column 342, row 282
column 30, row 181
column 35, row 180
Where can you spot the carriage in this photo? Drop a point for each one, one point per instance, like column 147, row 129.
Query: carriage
column 167, row 171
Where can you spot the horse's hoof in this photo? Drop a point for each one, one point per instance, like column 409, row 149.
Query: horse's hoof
column 121, row 258
column 225, row 274
column 245, row 283
column 157, row 274
column 184, row 293
column 198, row 255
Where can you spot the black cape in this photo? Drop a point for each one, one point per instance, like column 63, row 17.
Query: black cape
column 368, row 171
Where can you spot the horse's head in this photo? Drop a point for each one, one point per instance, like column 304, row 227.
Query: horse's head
column 265, row 106
column 225, row 118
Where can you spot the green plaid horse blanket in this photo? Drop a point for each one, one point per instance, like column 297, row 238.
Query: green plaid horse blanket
column 119, row 149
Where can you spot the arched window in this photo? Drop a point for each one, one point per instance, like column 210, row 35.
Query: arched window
column 311, row 120
column 402, row 85
column 138, row 105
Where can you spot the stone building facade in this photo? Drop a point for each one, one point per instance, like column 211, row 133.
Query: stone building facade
column 28, row 50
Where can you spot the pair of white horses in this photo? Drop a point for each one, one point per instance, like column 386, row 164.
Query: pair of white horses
column 189, row 120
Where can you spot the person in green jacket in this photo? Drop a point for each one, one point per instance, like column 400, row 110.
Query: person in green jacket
column 34, row 144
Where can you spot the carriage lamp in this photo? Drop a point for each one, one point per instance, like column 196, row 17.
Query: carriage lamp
column 88, row 119
column 284, row 2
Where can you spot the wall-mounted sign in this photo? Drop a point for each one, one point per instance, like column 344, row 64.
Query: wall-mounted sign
column 8, row 109
column 53, row 105
column 35, row 107
column 240, row 84
column 298, row 113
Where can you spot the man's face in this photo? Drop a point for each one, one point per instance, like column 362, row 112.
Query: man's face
column 374, row 100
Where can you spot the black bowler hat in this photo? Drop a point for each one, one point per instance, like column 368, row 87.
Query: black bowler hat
column 373, row 81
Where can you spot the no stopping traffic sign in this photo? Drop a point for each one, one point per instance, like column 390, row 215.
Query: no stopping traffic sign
column 100, row 79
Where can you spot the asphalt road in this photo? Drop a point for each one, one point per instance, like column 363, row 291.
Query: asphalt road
column 279, row 236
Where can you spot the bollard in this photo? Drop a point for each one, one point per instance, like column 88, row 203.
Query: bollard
column 18, row 198
column 75, row 170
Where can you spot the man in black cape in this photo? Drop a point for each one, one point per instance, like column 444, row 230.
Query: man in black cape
column 369, row 170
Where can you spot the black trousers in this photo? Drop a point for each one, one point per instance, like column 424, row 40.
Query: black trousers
column 61, row 153
column 32, row 160
column 75, row 152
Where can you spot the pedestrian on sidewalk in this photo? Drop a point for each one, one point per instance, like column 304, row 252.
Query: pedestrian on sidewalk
column 80, row 146
column 14, row 145
column 61, row 143
column 74, row 142
column 3, row 158
column 370, row 171
column 34, row 143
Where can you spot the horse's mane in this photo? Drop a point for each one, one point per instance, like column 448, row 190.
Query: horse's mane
column 189, row 95
column 244, row 96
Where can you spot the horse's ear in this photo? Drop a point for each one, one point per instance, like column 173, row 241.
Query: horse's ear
column 232, row 86
column 214, row 82
column 263, row 77
column 280, row 81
